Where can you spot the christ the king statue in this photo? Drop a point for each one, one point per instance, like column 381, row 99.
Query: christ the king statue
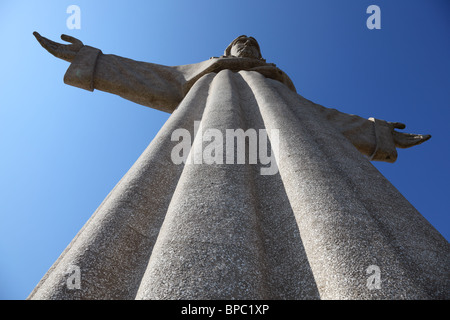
column 325, row 225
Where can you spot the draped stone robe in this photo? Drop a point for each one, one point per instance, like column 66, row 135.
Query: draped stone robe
column 224, row 231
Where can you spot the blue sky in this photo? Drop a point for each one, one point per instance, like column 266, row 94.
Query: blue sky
column 63, row 148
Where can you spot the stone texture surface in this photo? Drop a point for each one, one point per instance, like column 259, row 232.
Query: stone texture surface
column 113, row 248
column 222, row 231
column 349, row 215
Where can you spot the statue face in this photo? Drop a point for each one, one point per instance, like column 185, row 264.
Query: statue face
column 245, row 47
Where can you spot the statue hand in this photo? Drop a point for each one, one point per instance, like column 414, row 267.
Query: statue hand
column 406, row 140
column 63, row 51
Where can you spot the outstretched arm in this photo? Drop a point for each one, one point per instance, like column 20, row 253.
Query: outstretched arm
column 377, row 139
column 152, row 85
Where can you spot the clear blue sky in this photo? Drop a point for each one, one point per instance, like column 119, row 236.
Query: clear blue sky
column 63, row 149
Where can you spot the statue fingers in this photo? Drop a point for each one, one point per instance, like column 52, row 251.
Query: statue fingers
column 47, row 44
column 397, row 125
column 42, row 40
column 424, row 137
column 72, row 40
column 407, row 140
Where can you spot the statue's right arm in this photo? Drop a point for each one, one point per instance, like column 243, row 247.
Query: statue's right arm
column 152, row 85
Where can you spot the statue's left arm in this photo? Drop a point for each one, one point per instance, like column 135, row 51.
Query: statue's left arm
column 377, row 139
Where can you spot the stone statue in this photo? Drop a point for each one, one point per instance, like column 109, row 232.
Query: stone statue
column 225, row 231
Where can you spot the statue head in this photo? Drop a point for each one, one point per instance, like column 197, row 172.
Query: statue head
column 244, row 47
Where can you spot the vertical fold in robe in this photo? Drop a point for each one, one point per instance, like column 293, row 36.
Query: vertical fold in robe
column 209, row 246
column 113, row 248
column 288, row 271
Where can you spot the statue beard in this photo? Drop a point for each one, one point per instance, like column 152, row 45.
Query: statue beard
column 246, row 52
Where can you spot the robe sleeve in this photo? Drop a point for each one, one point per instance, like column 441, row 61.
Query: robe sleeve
column 372, row 137
column 152, row 85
